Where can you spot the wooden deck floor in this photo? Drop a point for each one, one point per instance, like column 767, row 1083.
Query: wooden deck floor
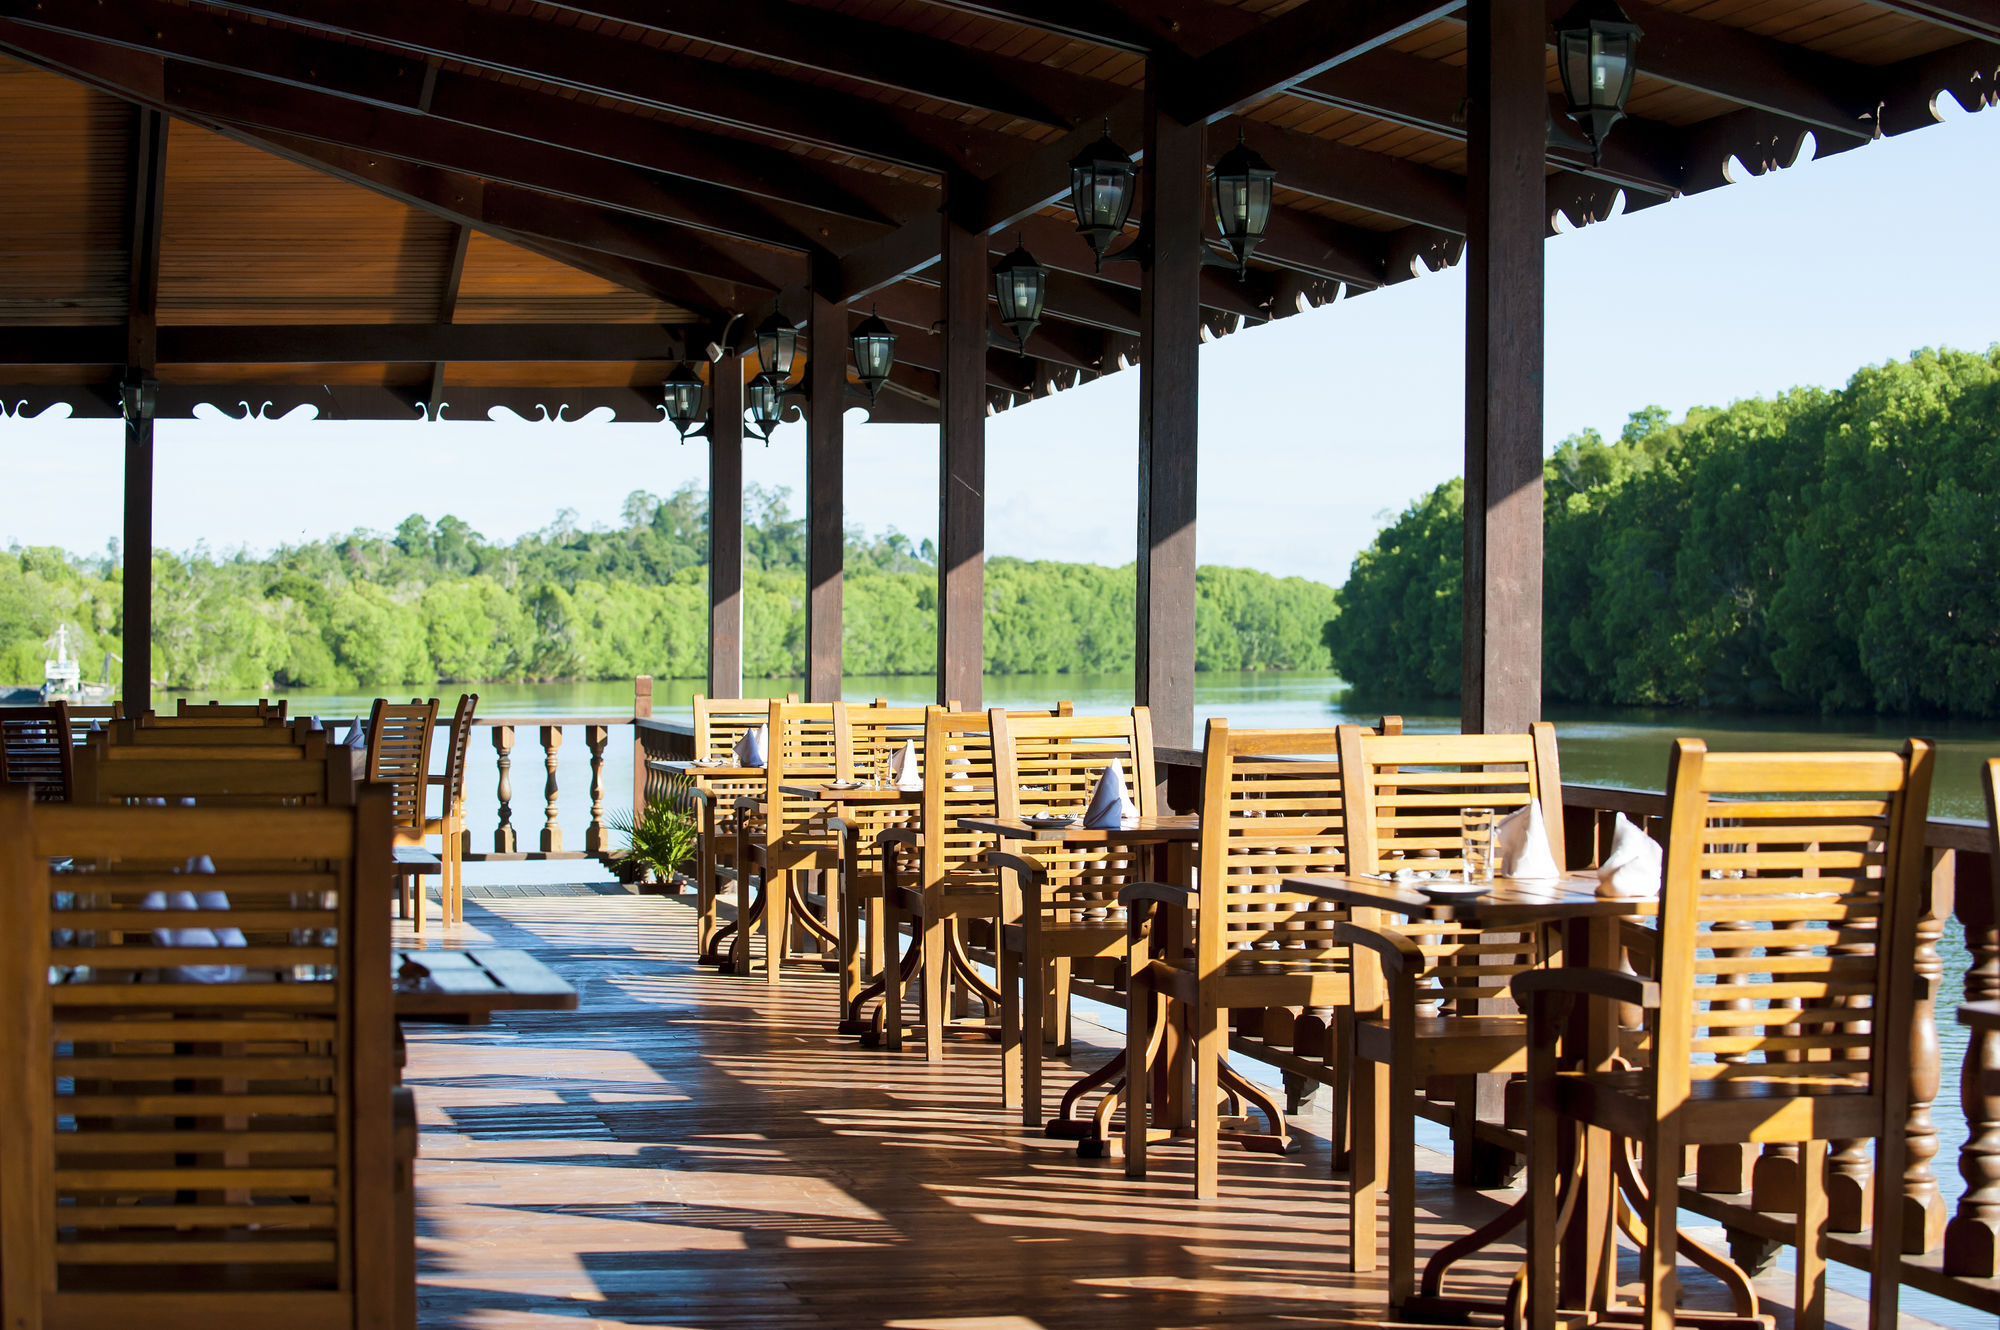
column 684, row 1150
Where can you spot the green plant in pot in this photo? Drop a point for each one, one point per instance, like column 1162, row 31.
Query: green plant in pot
column 658, row 841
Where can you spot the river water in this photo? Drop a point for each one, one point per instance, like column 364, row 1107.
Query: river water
column 1599, row 746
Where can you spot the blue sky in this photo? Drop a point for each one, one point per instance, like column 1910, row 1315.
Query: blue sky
column 1313, row 429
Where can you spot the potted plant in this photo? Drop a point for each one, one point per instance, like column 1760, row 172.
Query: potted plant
column 657, row 842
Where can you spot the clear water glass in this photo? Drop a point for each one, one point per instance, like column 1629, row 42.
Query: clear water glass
column 1475, row 843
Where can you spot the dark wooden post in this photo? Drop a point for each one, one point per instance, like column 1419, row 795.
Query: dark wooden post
column 962, row 467
column 1506, row 214
column 826, row 539
column 149, row 170
column 642, row 709
column 1169, row 342
column 725, row 527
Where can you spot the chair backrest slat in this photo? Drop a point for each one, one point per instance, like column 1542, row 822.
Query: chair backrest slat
column 36, row 749
column 1052, row 764
column 399, row 756
column 1789, row 909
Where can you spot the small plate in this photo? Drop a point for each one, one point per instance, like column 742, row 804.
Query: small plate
column 1444, row 890
column 840, row 785
column 1053, row 820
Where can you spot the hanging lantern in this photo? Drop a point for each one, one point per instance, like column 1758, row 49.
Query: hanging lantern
column 874, row 353
column 763, row 398
column 1102, row 184
column 1021, row 285
column 1242, row 185
column 684, row 390
column 1595, row 47
column 777, row 346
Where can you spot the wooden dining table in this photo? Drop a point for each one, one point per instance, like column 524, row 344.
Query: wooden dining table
column 466, row 987
column 1170, row 837
column 1583, row 928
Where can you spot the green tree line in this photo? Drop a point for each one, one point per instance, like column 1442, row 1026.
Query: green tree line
column 437, row 601
column 1831, row 550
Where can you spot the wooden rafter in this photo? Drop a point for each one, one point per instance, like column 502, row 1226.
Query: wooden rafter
column 351, row 343
column 454, row 274
column 148, row 203
column 1295, row 46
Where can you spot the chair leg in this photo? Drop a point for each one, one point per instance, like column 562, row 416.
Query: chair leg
column 937, row 985
column 1139, row 1017
column 1545, row 1128
column 1886, row 1233
column 1340, row 1126
column 1400, row 1117
column 739, row 941
column 1034, row 1015
column 847, row 926
column 1059, row 1012
column 892, row 975
column 777, row 925
column 1367, row 1164
column 1008, row 964
column 418, row 905
column 1809, row 1279
column 1211, row 1038
column 1661, row 1279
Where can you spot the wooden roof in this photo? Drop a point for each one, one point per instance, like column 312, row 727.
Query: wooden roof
column 373, row 205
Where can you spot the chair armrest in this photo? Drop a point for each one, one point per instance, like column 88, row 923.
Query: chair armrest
column 900, row 836
column 1161, row 892
column 1611, row 985
column 700, row 793
column 437, row 780
column 1398, row 954
column 1020, row 863
column 748, row 803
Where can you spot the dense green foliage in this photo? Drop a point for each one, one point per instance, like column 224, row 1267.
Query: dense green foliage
column 439, row 602
column 1831, row 550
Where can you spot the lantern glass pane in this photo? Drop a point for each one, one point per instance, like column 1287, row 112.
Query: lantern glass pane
column 1610, row 70
column 1576, row 68
column 873, row 356
column 1108, row 198
column 1232, row 205
column 1257, row 210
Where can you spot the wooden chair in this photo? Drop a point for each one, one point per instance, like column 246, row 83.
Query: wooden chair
column 1791, row 1031
column 718, row 723
column 83, row 716
column 1424, row 994
column 784, row 837
column 449, row 825
column 217, row 1153
column 37, row 749
column 399, row 756
column 875, row 734
column 1270, row 809
column 1062, row 929
column 219, row 713
column 302, row 770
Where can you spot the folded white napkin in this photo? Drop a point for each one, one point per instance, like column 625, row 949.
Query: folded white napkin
column 1632, row 866
column 1110, row 807
column 357, row 734
column 753, row 749
column 904, row 769
column 1521, row 846
column 196, row 937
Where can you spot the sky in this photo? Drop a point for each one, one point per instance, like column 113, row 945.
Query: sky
column 1314, row 429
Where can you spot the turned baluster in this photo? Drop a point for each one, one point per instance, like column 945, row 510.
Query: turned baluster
column 1923, row 1207
column 595, row 737
column 1972, row 1239
column 503, row 747
column 552, row 737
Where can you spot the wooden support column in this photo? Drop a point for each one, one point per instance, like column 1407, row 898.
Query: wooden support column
column 826, row 537
column 142, row 357
column 725, row 527
column 962, row 462
column 454, row 274
column 1507, row 132
column 1174, row 182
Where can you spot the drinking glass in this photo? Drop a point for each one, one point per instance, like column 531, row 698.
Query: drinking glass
column 1475, row 841
column 885, row 776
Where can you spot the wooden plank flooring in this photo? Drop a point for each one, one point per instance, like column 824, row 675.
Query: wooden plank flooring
column 685, row 1150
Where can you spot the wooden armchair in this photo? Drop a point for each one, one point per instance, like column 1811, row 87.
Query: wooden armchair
column 37, row 749
column 785, row 837
column 1062, row 929
column 449, row 825
column 399, row 756
column 718, row 723
column 876, row 734
column 85, row 714
column 1430, row 1002
column 1822, row 854
column 1270, row 809
column 217, row 1149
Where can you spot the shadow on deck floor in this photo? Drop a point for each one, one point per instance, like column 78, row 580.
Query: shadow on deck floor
column 687, row 1150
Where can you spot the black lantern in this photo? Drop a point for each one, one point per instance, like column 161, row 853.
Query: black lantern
column 1102, row 183
column 1595, row 47
column 874, row 353
column 1021, row 284
column 684, row 391
column 1242, row 185
column 777, row 346
column 763, row 396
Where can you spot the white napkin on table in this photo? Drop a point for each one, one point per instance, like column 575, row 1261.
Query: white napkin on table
column 1110, row 806
column 1632, row 866
column 1521, row 846
column 357, row 734
column 753, row 749
column 196, row 937
column 904, row 769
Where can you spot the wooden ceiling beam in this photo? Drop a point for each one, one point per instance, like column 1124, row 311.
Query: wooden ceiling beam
column 404, row 83
column 149, row 188
column 878, row 54
column 1094, row 21
column 454, row 274
column 1974, row 18
column 1334, row 171
column 352, row 343
column 630, row 71
column 1300, row 43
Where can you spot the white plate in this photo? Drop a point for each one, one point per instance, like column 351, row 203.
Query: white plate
column 1451, row 891
column 1051, row 821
